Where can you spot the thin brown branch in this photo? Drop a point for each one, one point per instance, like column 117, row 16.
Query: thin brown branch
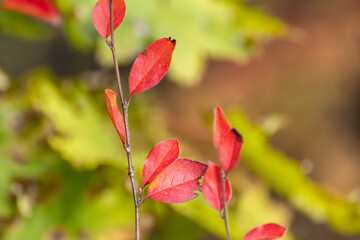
column 224, row 213
column 125, row 105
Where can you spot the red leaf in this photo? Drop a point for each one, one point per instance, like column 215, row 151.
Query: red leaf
column 229, row 149
column 41, row 9
column 177, row 183
column 151, row 65
column 212, row 189
column 101, row 16
column 221, row 126
column 159, row 158
column 114, row 113
column 266, row 232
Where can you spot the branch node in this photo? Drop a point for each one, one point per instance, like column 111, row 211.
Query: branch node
column 128, row 149
column 131, row 172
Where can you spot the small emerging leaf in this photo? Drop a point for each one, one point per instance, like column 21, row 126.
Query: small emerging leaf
column 266, row 232
column 114, row 113
column 101, row 16
column 41, row 9
column 178, row 182
column 229, row 149
column 159, row 158
column 151, row 65
column 212, row 189
column 221, row 126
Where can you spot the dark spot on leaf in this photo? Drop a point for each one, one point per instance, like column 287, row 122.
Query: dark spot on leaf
column 144, row 52
column 239, row 137
column 172, row 40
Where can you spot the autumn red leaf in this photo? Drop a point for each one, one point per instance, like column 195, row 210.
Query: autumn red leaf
column 229, row 149
column 178, row 182
column 221, row 126
column 159, row 158
column 212, row 189
column 101, row 16
column 151, row 65
column 114, row 113
column 41, row 9
column 266, row 232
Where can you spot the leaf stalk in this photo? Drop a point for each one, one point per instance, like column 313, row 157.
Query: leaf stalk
column 224, row 213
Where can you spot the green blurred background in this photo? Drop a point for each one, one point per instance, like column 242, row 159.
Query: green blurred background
column 285, row 72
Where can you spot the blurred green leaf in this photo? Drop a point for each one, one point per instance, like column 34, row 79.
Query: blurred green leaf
column 80, row 203
column 78, row 25
column 285, row 176
column 82, row 135
column 12, row 150
column 177, row 227
column 255, row 207
column 252, row 208
column 57, row 211
column 24, row 26
column 204, row 29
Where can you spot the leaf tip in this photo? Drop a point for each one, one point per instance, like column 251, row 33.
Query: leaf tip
column 109, row 92
column 173, row 40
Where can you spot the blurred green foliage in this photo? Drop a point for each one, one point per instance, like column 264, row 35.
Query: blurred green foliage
column 285, row 176
column 69, row 201
column 23, row 26
column 203, row 28
column 11, row 149
column 80, row 124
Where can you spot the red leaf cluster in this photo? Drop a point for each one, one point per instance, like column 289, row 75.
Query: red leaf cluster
column 101, row 16
column 266, row 232
column 41, row 9
column 228, row 142
column 171, row 179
